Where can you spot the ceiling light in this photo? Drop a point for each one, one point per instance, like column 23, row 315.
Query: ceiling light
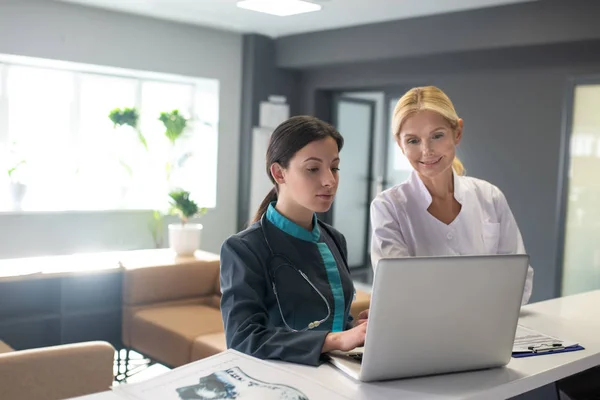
column 281, row 8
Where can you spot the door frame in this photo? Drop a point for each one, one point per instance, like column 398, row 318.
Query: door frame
column 337, row 98
column 563, row 170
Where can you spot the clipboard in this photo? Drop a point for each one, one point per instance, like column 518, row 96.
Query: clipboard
column 533, row 353
column 530, row 343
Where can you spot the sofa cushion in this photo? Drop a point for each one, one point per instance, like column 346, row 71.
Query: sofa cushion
column 4, row 348
column 150, row 285
column 130, row 311
column 166, row 334
column 208, row 345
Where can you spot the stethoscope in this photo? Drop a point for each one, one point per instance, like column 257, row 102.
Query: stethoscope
column 288, row 263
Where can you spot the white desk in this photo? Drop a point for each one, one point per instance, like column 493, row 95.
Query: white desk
column 575, row 317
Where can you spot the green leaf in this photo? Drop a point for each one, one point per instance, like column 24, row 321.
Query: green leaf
column 125, row 116
column 142, row 139
column 15, row 167
column 183, row 206
column 128, row 117
column 175, row 124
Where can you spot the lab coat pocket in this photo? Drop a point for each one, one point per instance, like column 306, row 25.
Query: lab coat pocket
column 491, row 237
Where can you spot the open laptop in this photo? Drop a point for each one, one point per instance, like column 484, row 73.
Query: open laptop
column 432, row 315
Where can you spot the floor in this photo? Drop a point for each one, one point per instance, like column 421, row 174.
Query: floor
column 130, row 367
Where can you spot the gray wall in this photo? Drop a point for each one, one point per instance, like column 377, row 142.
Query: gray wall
column 75, row 33
column 512, row 104
column 525, row 24
column 506, row 68
column 261, row 78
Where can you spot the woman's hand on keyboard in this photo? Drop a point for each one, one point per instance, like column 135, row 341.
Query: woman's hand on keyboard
column 347, row 340
column 363, row 316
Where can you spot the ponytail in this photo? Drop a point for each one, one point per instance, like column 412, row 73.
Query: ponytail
column 458, row 167
column 271, row 197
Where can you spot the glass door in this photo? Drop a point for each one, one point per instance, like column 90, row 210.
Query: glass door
column 581, row 193
column 397, row 166
column 354, row 119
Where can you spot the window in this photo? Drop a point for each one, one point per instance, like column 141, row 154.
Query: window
column 61, row 152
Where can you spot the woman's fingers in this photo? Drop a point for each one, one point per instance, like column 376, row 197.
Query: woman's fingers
column 363, row 314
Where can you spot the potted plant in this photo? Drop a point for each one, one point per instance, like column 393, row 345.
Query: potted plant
column 184, row 237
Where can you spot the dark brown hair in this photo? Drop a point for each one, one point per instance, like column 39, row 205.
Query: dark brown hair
column 287, row 139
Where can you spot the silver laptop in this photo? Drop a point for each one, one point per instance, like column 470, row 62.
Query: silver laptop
column 433, row 315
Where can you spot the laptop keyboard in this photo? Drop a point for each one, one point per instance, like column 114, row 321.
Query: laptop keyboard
column 356, row 356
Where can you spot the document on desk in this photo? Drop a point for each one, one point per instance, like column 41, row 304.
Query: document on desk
column 228, row 375
column 527, row 338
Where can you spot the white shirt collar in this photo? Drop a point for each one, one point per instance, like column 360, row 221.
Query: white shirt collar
column 423, row 195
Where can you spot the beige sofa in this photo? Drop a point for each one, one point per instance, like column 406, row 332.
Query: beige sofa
column 171, row 310
column 56, row 372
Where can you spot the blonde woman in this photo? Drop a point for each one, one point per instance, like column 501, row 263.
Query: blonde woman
column 438, row 211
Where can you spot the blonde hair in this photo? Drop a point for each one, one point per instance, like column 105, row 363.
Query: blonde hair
column 426, row 98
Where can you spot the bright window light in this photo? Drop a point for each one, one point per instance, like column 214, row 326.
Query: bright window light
column 281, row 8
column 65, row 154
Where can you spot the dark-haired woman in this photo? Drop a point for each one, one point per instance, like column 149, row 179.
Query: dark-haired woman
column 286, row 287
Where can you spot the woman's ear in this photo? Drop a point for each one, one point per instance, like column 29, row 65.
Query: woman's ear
column 458, row 132
column 277, row 172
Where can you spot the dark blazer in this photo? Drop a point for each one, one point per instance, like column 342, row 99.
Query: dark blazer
column 251, row 315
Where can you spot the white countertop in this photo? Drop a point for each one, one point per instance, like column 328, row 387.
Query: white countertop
column 575, row 317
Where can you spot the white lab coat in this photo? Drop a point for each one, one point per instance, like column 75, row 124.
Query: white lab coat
column 402, row 226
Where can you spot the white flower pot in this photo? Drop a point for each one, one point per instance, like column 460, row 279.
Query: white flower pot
column 17, row 193
column 184, row 239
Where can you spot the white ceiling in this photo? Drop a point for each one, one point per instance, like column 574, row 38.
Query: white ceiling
column 335, row 13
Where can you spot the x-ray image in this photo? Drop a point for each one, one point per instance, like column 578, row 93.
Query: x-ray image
column 233, row 383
